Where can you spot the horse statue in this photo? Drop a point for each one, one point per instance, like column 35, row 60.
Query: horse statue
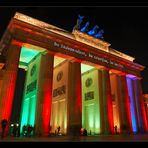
column 79, row 21
column 94, row 30
column 99, row 34
column 85, row 28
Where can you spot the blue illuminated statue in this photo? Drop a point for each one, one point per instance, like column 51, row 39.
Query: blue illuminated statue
column 79, row 21
column 85, row 28
column 94, row 30
column 99, row 34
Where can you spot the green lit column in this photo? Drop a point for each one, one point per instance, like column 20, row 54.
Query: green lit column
column 44, row 97
column 91, row 101
column 106, row 103
column 74, row 107
column 101, row 102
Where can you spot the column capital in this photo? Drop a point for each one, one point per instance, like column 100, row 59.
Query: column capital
column 104, row 68
column 120, row 73
column 15, row 42
column 133, row 77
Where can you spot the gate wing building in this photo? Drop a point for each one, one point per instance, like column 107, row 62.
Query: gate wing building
column 52, row 78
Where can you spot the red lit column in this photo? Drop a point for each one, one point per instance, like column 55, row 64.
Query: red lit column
column 141, row 112
column 9, row 80
column 124, row 105
column 146, row 109
column 106, row 103
column 74, row 103
column 44, row 98
column 1, row 80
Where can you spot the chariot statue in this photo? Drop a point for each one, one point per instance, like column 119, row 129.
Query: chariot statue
column 79, row 21
column 94, row 30
column 85, row 28
column 99, row 34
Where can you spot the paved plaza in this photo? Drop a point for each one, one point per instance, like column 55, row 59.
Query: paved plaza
column 100, row 138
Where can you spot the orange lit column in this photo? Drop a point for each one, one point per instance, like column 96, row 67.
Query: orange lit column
column 141, row 112
column 106, row 103
column 9, row 80
column 124, row 105
column 44, row 98
column 74, row 103
column 115, row 92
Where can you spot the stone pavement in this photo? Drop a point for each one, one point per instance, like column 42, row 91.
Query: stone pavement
column 100, row 138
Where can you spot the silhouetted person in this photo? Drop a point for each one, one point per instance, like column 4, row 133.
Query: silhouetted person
column 29, row 130
column 18, row 130
column 90, row 132
column 59, row 129
column 25, row 130
column 3, row 125
column 116, row 130
column 85, row 132
column 14, row 130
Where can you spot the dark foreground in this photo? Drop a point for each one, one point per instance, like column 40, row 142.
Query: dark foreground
column 100, row 138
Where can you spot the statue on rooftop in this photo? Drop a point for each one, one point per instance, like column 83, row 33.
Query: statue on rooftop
column 94, row 30
column 99, row 34
column 79, row 21
column 85, row 28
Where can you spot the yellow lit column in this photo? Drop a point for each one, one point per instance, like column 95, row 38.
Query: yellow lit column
column 9, row 80
column 44, row 98
column 74, row 103
column 106, row 111
column 100, row 91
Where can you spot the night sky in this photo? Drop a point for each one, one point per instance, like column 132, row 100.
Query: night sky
column 125, row 28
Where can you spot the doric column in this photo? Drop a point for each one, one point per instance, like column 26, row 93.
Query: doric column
column 1, row 77
column 105, row 102
column 116, row 98
column 44, row 97
column 124, row 105
column 142, row 120
column 9, row 80
column 101, row 102
column 74, row 101
column 131, row 93
column 146, row 110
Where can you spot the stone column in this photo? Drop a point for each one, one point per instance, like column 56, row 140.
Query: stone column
column 124, row 105
column 100, row 91
column 74, row 101
column 146, row 110
column 9, row 80
column 134, row 116
column 44, row 97
column 1, row 80
column 142, row 120
column 115, row 92
column 105, row 102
